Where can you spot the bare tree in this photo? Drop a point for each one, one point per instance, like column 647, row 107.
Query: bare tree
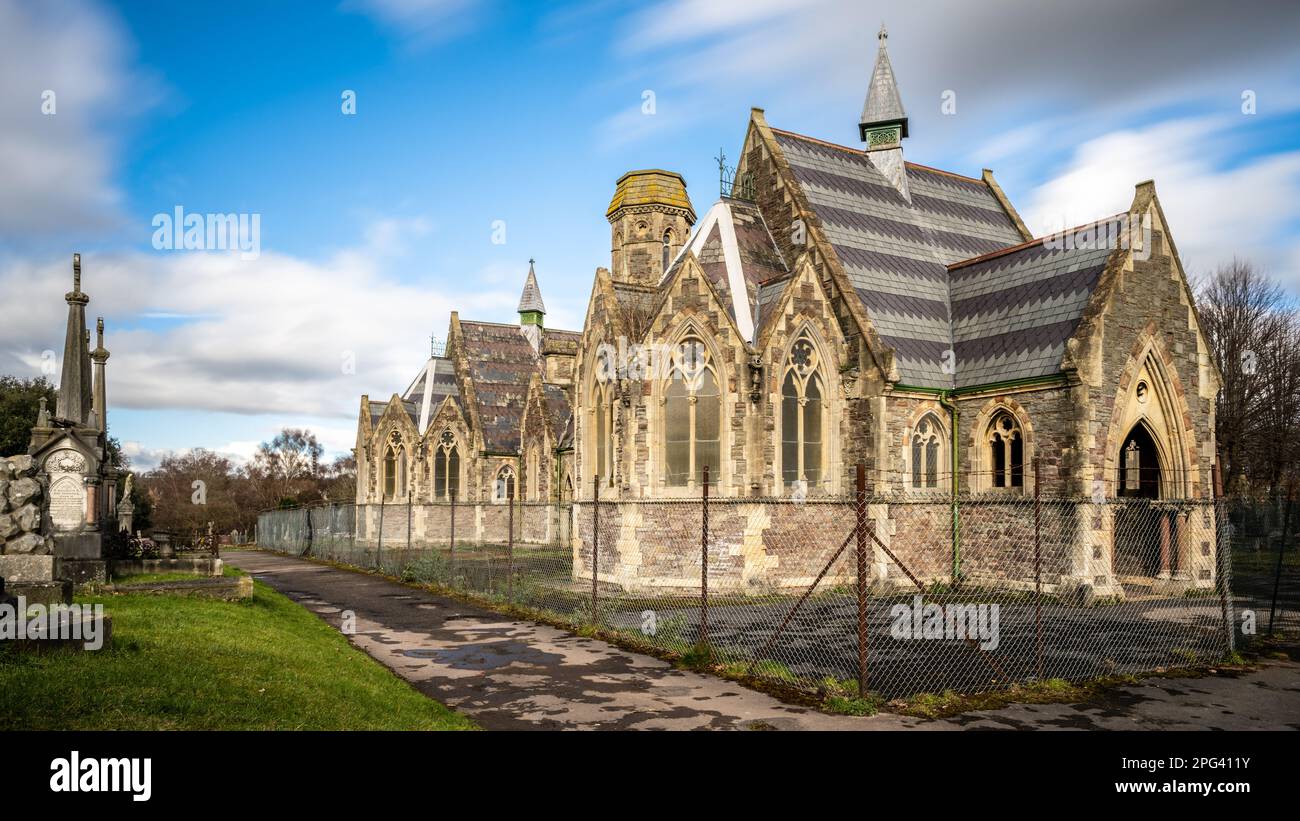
column 288, row 463
column 1252, row 333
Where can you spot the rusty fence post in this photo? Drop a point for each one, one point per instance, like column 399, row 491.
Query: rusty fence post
column 1281, row 547
column 452, row 549
column 1038, row 571
column 510, row 543
column 307, row 548
column 1221, row 561
column 410, row 498
column 595, row 548
column 379, row 549
column 860, row 531
column 704, row 563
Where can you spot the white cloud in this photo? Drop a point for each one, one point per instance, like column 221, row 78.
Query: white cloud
column 419, row 23
column 272, row 336
column 1217, row 209
column 58, row 167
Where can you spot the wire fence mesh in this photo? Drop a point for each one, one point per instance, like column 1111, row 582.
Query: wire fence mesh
column 888, row 593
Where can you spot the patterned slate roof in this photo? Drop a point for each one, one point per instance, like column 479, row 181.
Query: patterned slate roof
column 896, row 254
column 1012, row 312
column 757, row 257
column 444, row 382
column 500, row 361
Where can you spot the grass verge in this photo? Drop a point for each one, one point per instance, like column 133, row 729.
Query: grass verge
column 181, row 663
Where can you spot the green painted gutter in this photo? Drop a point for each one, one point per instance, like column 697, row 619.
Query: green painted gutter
column 947, row 399
column 955, row 415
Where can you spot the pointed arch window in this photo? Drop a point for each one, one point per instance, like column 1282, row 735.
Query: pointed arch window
column 446, row 468
column 602, row 449
column 692, row 415
column 504, row 487
column 395, row 471
column 802, row 415
column 1006, row 444
column 927, row 452
column 667, row 250
column 390, row 472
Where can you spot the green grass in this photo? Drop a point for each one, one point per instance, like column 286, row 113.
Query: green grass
column 264, row 663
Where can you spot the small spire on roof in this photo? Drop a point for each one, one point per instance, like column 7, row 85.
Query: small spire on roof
column 883, row 108
column 531, row 299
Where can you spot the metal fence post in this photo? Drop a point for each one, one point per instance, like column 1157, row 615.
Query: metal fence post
column 452, row 550
column 379, row 549
column 704, row 564
column 860, row 531
column 1038, row 571
column 510, row 543
column 1221, row 561
column 1281, row 548
column 595, row 547
column 410, row 497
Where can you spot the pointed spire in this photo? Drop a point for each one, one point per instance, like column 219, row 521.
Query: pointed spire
column 100, row 356
column 882, row 112
column 74, row 386
column 531, row 300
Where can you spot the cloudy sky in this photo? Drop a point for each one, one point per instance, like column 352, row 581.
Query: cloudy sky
column 478, row 121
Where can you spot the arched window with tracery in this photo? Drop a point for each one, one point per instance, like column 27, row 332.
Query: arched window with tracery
column 504, row 487
column 390, row 472
column 1006, row 445
column 927, row 452
column 802, row 452
column 395, row 470
column 602, row 424
column 446, row 467
column 692, row 416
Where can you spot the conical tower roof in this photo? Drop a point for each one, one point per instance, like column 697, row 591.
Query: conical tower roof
column 883, row 104
column 531, row 300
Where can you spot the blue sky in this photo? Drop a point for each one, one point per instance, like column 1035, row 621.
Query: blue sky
column 375, row 225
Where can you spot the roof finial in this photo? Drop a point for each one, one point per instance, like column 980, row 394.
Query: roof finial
column 76, row 273
column 883, row 35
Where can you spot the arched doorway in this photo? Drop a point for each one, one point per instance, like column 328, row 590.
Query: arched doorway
column 1137, row 546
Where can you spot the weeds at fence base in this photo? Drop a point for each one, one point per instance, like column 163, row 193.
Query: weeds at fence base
column 833, row 695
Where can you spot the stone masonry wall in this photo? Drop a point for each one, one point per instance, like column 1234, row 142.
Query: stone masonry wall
column 20, row 509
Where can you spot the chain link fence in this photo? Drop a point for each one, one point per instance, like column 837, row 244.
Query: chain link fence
column 890, row 594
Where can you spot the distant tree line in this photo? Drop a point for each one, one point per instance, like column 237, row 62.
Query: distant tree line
column 191, row 489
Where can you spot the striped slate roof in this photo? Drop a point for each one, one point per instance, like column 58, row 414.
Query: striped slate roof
column 444, row 382
column 737, row 253
column 500, row 361
column 1013, row 311
column 896, row 251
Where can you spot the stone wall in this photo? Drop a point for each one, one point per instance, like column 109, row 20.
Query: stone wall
column 779, row 545
column 534, row 523
column 21, row 501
